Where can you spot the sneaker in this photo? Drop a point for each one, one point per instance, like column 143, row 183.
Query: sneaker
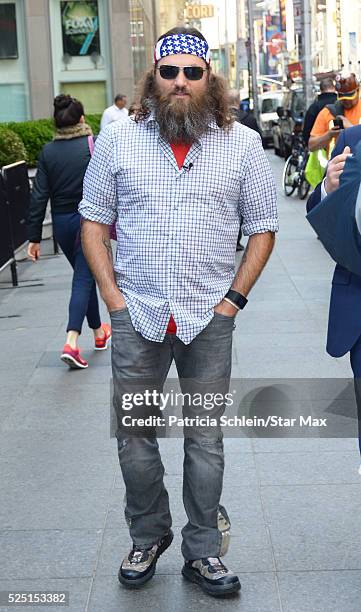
column 139, row 566
column 224, row 527
column 73, row 358
column 212, row 576
column 102, row 343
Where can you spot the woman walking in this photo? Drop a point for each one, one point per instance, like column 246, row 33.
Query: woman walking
column 61, row 168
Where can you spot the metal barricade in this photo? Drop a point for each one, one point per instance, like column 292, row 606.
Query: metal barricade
column 15, row 196
column 6, row 244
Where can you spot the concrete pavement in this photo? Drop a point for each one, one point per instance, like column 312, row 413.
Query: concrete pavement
column 295, row 505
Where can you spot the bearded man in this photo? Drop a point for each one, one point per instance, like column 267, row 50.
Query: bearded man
column 177, row 177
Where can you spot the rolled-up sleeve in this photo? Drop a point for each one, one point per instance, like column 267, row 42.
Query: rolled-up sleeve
column 258, row 202
column 99, row 201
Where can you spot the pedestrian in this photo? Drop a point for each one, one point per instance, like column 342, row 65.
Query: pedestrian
column 241, row 111
column 335, row 117
column 178, row 184
column 327, row 96
column 344, row 322
column 60, row 172
column 132, row 109
column 245, row 117
column 115, row 112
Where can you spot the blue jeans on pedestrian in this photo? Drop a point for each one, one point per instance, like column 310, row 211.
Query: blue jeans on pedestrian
column 203, row 366
column 84, row 300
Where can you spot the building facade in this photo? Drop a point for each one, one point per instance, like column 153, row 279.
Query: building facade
column 90, row 49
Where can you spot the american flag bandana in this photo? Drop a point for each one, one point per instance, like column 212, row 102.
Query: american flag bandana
column 182, row 43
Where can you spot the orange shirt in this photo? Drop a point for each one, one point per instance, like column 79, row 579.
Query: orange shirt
column 324, row 121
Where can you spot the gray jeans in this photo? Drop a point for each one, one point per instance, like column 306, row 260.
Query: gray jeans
column 204, row 364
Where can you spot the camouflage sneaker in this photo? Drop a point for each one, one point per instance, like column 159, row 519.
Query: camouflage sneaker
column 224, row 527
column 212, row 576
column 139, row 566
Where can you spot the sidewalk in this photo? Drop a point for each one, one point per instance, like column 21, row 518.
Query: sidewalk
column 295, row 505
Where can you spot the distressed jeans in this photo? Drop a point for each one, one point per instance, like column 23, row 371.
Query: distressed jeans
column 203, row 365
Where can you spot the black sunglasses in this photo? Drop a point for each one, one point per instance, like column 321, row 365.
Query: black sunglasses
column 191, row 73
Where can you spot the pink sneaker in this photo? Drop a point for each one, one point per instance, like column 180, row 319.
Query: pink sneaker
column 73, row 358
column 102, row 343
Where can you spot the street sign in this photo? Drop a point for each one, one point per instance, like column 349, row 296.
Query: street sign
column 242, row 54
column 199, row 11
column 295, row 70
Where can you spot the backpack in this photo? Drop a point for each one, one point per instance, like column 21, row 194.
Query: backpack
column 335, row 109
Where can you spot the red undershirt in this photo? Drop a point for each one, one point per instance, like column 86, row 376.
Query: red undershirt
column 180, row 153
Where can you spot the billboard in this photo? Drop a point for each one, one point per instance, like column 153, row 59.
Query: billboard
column 274, row 43
column 80, row 27
column 8, row 34
column 283, row 15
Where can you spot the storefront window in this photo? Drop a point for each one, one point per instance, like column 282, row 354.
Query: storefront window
column 92, row 95
column 14, row 96
column 141, row 35
column 8, row 33
column 80, row 51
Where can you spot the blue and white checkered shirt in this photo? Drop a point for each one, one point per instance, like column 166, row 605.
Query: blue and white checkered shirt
column 177, row 229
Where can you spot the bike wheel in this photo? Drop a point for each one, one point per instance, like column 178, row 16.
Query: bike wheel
column 289, row 176
column 303, row 188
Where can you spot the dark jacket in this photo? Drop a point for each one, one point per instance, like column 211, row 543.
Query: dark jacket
column 247, row 119
column 344, row 323
column 61, row 168
column 315, row 108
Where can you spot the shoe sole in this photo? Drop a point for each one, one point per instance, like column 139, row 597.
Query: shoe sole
column 103, row 348
column 140, row 581
column 72, row 363
column 215, row 591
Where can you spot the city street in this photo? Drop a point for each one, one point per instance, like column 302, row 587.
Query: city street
column 294, row 504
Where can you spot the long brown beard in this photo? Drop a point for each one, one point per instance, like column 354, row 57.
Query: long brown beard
column 180, row 121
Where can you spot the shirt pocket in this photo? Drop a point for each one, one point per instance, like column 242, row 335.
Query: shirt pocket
column 223, row 185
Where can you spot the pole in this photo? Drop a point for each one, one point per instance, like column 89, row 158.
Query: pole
column 253, row 57
column 238, row 44
column 226, row 43
column 307, row 53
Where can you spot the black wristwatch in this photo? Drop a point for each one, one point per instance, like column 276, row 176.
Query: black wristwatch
column 236, row 299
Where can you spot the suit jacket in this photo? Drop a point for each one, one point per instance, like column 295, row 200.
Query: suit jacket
column 344, row 324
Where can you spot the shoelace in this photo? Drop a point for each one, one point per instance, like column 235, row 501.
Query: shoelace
column 138, row 555
column 216, row 564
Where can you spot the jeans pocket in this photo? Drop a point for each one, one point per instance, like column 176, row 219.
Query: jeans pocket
column 116, row 313
column 222, row 316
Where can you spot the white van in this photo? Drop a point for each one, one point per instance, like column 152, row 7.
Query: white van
column 268, row 104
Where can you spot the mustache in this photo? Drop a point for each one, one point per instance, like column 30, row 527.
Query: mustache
column 176, row 90
column 181, row 89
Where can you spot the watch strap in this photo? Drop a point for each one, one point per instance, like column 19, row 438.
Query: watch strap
column 236, row 298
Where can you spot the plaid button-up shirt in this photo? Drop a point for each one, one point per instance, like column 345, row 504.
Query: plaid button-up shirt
column 177, row 229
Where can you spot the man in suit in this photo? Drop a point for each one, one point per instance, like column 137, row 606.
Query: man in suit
column 344, row 324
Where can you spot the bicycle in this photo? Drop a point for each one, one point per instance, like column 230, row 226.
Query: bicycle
column 295, row 166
